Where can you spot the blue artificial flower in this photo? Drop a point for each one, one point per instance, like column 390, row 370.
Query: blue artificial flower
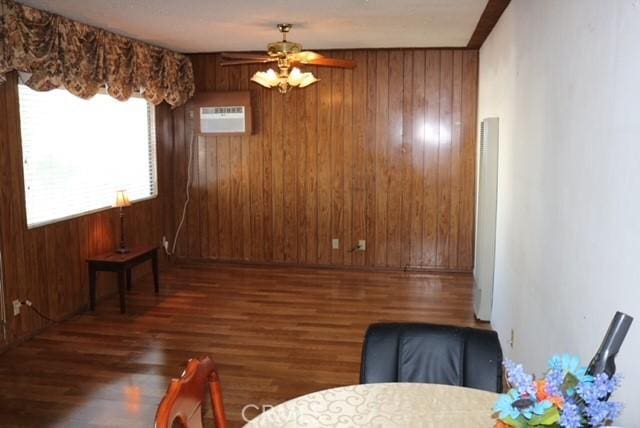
column 594, row 394
column 559, row 367
column 555, row 379
column 555, row 363
column 601, row 412
column 571, row 417
column 571, row 364
column 504, row 405
column 598, row 389
column 520, row 380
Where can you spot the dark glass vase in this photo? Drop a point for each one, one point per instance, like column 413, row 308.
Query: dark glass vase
column 604, row 360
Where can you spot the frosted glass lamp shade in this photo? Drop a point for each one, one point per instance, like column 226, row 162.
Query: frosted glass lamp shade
column 268, row 78
column 285, row 80
column 307, row 79
column 300, row 79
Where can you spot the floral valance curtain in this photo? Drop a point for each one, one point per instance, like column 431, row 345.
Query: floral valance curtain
column 57, row 52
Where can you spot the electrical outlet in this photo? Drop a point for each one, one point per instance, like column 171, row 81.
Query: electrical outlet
column 362, row 245
column 16, row 307
column 335, row 243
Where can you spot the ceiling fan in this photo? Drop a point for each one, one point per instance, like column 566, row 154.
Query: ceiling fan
column 288, row 57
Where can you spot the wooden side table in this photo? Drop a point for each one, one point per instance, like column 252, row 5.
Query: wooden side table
column 122, row 264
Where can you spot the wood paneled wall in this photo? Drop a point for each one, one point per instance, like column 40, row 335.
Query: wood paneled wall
column 47, row 264
column 385, row 153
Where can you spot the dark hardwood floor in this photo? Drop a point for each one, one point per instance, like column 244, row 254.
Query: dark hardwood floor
column 275, row 333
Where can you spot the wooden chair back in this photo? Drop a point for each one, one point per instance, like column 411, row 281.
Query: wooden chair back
column 184, row 398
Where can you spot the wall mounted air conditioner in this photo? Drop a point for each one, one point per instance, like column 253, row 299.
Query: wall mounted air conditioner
column 487, row 206
column 221, row 113
column 222, row 120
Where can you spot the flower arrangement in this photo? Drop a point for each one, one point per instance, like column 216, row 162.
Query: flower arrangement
column 566, row 397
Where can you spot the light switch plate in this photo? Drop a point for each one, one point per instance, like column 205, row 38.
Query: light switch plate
column 335, row 243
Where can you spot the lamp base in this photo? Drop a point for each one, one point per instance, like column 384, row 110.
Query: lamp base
column 123, row 250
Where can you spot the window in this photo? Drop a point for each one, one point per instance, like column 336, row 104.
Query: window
column 77, row 153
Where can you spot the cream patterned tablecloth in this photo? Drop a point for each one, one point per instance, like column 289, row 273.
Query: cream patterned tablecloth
column 383, row 405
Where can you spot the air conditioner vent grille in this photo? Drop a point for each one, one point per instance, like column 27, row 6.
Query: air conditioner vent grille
column 222, row 110
column 227, row 119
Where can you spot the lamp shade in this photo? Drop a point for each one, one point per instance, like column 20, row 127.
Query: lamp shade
column 294, row 76
column 307, row 79
column 122, row 199
column 267, row 79
column 300, row 79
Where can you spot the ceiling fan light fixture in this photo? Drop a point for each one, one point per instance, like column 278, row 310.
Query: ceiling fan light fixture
column 285, row 80
column 286, row 54
column 307, row 79
column 300, row 79
column 268, row 78
column 294, row 77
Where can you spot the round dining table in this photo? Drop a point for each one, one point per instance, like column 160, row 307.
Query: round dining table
column 383, row 405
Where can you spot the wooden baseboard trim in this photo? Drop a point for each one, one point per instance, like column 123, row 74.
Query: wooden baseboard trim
column 358, row 268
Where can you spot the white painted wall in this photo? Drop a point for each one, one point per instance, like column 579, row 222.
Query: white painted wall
column 563, row 76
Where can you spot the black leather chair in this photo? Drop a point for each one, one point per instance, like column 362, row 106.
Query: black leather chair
column 431, row 353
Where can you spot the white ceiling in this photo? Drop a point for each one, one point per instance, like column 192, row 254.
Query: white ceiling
column 238, row 25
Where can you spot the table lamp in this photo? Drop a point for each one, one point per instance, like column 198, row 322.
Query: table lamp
column 122, row 200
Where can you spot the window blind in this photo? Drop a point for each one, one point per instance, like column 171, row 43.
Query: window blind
column 77, row 153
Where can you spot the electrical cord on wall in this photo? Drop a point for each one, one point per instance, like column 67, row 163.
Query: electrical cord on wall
column 34, row 309
column 187, row 190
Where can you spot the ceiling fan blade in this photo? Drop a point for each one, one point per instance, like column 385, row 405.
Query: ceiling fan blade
column 330, row 62
column 246, row 61
column 305, row 56
column 247, row 55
